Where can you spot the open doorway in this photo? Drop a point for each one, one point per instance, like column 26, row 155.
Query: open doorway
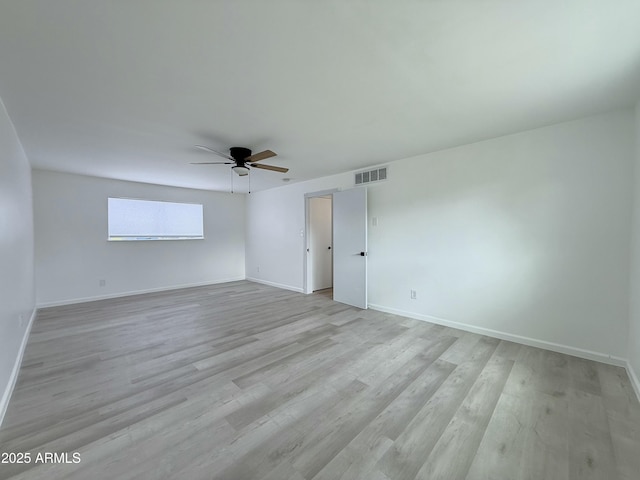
column 335, row 246
column 320, row 245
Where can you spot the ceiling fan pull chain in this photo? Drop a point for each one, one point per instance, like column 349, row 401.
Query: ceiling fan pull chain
column 249, row 183
column 231, row 180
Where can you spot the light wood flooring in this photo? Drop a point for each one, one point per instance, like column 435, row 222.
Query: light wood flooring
column 243, row 381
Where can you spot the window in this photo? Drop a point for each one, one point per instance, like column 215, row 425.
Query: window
column 151, row 220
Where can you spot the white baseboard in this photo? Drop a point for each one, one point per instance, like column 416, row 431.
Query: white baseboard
column 635, row 382
column 72, row 301
column 532, row 342
column 274, row 284
column 13, row 379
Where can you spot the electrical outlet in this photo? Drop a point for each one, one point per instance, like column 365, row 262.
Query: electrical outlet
column 21, row 319
column 258, row 269
column 102, row 282
column 374, row 222
column 413, row 294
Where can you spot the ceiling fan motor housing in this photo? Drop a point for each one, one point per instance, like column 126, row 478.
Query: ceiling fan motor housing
column 239, row 153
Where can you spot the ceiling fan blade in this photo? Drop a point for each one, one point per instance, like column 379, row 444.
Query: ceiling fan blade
column 212, row 163
column 211, row 150
column 256, row 157
column 270, row 167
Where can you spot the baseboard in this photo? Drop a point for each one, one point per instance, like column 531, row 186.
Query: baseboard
column 532, row 342
column 13, row 379
column 634, row 379
column 73, row 301
column 274, row 284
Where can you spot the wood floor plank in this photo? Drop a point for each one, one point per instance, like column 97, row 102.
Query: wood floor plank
column 410, row 450
column 623, row 415
column 526, row 438
column 590, row 445
column 456, row 448
column 363, row 452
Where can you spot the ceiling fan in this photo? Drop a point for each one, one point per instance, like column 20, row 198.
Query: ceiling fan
column 241, row 159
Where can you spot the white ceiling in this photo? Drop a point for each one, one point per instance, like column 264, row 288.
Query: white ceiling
column 125, row 89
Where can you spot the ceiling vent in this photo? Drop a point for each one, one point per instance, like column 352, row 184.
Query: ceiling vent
column 370, row 176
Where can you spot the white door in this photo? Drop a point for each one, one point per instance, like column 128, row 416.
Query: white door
column 350, row 247
column 320, row 243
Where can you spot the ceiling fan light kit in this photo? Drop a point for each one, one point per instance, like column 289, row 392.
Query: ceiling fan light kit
column 240, row 170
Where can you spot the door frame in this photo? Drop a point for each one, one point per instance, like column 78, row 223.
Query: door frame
column 306, row 283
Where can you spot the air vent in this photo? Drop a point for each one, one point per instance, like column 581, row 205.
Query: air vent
column 370, row 176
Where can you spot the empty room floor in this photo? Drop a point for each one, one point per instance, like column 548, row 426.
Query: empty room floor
column 245, row 381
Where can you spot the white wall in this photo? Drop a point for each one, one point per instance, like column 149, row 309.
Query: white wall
column 634, row 317
column 275, row 231
column 72, row 252
column 525, row 235
column 17, row 299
